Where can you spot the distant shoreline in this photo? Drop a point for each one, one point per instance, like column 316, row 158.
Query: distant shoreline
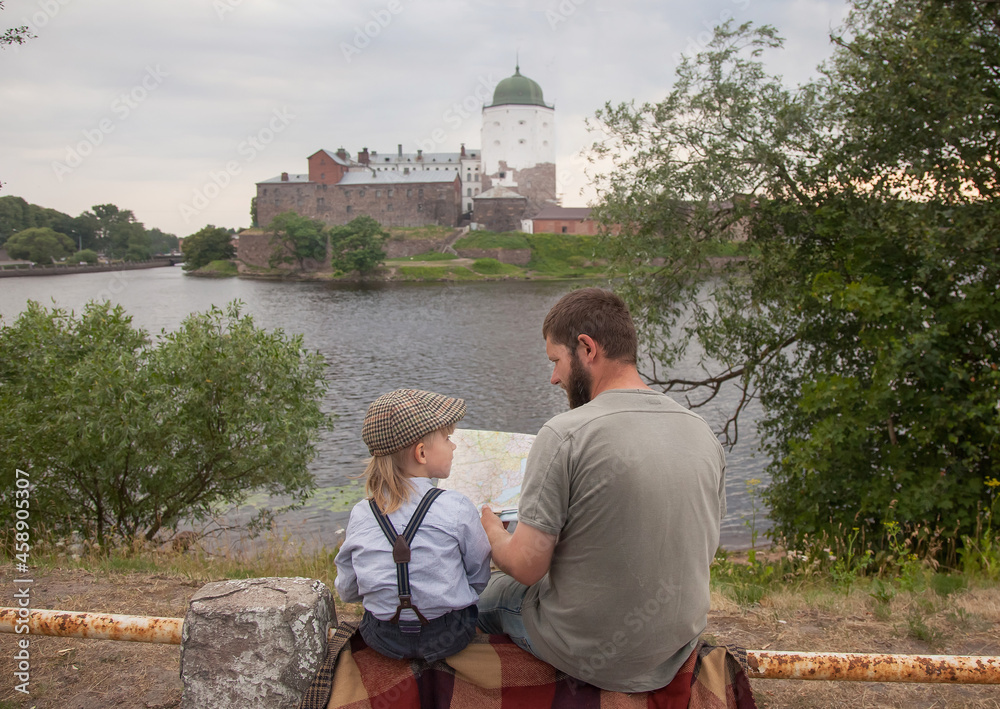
column 90, row 268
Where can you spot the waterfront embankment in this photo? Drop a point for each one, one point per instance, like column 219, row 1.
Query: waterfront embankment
column 19, row 270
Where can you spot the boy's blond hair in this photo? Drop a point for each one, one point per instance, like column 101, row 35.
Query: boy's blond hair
column 386, row 481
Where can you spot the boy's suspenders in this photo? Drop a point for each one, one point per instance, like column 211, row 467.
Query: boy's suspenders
column 401, row 549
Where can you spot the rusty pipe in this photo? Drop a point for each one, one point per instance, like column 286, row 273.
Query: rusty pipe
column 764, row 664
column 99, row 626
column 860, row 667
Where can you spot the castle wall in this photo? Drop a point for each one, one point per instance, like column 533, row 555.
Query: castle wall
column 499, row 214
column 255, row 248
column 408, row 204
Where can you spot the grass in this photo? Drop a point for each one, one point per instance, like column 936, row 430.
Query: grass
column 427, row 256
column 565, row 256
column 493, row 240
column 219, row 268
column 431, row 231
column 269, row 555
column 437, row 273
column 492, row 267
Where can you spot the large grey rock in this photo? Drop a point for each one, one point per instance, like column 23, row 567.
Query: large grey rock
column 254, row 642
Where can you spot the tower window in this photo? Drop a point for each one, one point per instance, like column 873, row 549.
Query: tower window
column 521, row 141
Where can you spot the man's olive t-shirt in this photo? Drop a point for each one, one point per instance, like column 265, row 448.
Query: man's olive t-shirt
column 633, row 485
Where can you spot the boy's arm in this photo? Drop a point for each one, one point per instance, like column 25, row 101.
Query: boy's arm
column 525, row 555
column 475, row 548
column 346, row 582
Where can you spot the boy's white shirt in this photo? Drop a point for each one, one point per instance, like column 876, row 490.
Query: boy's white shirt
column 449, row 558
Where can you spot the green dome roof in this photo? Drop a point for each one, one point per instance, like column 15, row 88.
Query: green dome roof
column 518, row 89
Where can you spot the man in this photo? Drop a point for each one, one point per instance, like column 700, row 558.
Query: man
column 606, row 574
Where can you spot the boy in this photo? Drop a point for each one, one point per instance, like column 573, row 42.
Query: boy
column 419, row 586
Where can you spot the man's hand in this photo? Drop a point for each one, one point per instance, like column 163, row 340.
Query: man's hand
column 525, row 555
column 490, row 521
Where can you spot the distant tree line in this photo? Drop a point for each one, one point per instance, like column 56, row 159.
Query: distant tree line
column 42, row 235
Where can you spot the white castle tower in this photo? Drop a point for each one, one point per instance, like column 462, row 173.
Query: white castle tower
column 518, row 141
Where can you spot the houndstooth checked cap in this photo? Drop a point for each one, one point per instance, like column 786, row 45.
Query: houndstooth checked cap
column 402, row 417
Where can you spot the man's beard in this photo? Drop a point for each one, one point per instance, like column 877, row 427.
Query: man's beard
column 579, row 384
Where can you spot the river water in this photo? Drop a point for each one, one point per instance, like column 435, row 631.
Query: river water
column 478, row 341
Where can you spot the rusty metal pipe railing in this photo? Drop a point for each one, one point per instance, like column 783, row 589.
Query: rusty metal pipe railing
column 98, row 626
column 764, row 664
column 863, row 667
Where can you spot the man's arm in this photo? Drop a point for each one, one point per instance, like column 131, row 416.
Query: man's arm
column 525, row 555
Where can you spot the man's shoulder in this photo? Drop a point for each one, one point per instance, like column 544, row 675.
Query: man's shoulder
column 617, row 402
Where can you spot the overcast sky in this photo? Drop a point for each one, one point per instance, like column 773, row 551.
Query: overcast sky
column 176, row 108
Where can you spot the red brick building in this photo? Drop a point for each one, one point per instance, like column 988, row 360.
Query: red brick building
column 563, row 220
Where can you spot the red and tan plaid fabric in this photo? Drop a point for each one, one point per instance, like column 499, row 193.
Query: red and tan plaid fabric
column 493, row 673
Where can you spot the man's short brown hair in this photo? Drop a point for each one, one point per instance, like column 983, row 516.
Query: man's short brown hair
column 596, row 312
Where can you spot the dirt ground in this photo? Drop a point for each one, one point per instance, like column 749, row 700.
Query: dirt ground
column 95, row 674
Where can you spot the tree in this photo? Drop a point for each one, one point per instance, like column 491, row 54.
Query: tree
column 15, row 35
column 357, row 246
column 206, row 245
column 123, row 437
column 160, row 242
column 14, row 217
column 296, row 238
column 866, row 317
column 117, row 233
column 41, row 245
column 253, row 211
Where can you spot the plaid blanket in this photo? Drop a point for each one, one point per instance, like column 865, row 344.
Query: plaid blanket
column 493, row 672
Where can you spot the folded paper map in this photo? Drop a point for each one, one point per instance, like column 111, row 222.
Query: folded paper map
column 488, row 468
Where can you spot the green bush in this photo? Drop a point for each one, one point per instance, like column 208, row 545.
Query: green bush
column 492, row 267
column 85, row 256
column 121, row 437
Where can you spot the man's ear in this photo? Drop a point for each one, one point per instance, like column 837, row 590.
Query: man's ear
column 586, row 347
